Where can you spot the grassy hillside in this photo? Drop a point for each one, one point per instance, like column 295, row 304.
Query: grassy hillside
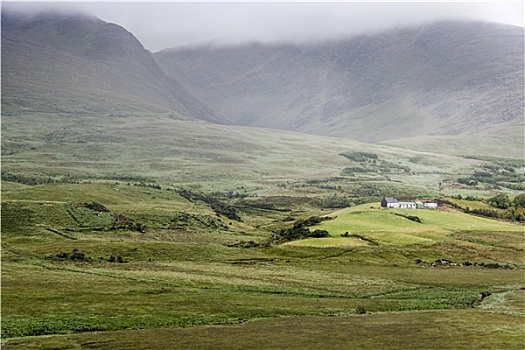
column 117, row 227
column 114, row 224
column 364, row 220
column 466, row 329
column 152, row 148
column 497, row 141
column 113, row 257
column 456, row 236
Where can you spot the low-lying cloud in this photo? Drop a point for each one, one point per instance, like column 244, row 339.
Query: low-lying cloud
column 173, row 24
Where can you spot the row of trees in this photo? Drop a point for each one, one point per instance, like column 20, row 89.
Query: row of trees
column 514, row 209
column 502, row 201
column 500, row 207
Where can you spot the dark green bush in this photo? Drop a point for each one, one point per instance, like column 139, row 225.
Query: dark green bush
column 96, row 206
column 300, row 231
column 75, row 255
column 500, row 201
column 360, row 310
column 116, row 259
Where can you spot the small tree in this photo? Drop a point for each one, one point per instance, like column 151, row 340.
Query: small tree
column 501, row 201
column 519, row 201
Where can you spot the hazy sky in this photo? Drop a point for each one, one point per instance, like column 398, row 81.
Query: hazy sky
column 160, row 25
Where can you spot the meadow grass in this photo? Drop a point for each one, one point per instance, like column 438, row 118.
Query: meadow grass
column 185, row 270
column 363, row 219
column 60, row 298
column 185, row 279
column 328, row 242
column 458, row 329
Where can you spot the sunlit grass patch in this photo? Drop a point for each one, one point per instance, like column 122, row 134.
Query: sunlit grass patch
column 400, row 238
column 391, row 226
column 328, row 242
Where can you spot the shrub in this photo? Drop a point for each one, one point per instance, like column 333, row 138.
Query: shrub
column 501, row 201
column 320, row 234
column 116, row 259
column 78, row 255
column 485, row 294
column 360, row 156
column 311, row 221
column 300, row 231
column 467, row 181
column 519, row 201
column 410, row 217
column 216, row 205
column 360, row 310
column 75, row 255
column 333, row 202
column 244, row 244
column 123, row 222
column 96, row 207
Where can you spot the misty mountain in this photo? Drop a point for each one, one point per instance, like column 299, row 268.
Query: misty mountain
column 448, row 78
column 419, row 87
column 54, row 62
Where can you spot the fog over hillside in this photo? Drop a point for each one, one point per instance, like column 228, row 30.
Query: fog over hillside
column 161, row 25
column 447, row 78
column 74, row 63
column 450, row 80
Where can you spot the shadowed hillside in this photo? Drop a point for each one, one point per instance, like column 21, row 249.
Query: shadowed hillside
column 443, row 79
column 80, row 64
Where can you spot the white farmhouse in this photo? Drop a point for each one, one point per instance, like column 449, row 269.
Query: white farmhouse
column 389, row 202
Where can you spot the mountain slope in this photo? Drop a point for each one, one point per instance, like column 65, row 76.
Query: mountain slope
column 450, row 87
column 80, row 64
column 449, row 78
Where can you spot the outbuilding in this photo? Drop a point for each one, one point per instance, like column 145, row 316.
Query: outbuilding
column 407, row 205
column 430, row 205
column 388, row 202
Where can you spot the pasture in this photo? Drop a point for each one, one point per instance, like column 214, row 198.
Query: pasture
column 111, row 264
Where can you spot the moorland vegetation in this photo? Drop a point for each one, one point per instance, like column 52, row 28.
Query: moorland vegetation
column 165, row 258
column 131, row 221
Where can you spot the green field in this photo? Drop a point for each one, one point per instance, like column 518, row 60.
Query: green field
column 106, row 264
column 391, row 227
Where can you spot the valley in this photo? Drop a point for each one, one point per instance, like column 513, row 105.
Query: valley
column 192, row 200
column 161, row 262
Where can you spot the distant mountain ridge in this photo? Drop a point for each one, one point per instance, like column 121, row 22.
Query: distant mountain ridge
column 446, row 78
column 418, row 87
column 81, row 64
